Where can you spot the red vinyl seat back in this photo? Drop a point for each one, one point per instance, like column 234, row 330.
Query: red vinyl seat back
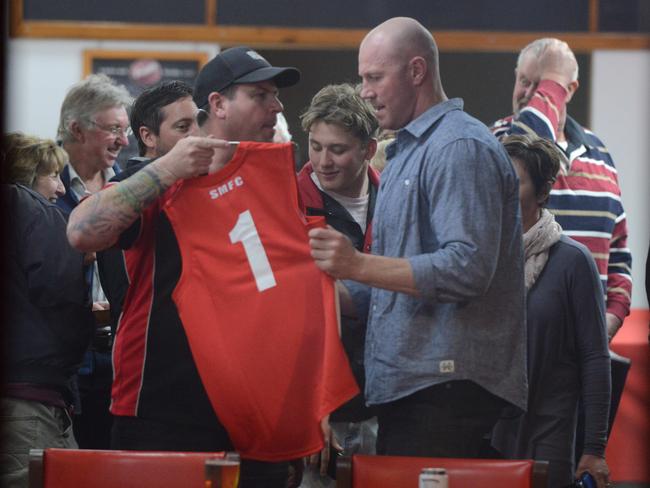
column 394, row 471
column 72, row 468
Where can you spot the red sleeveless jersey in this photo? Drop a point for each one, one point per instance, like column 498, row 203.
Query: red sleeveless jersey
column 260, row 317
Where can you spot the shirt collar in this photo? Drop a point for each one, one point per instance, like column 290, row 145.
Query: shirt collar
column 421, row 124
column 424, row 122
column 574, row 134
column 77, row 184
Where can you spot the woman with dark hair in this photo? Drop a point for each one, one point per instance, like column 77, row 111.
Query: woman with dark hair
column 568, row 359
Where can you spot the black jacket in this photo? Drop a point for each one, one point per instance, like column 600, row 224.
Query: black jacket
column 48, row 319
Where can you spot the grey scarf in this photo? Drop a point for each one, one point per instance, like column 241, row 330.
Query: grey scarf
column 537, row 241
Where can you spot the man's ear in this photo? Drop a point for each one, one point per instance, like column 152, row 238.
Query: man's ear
column 418, row 70
column 148, row 137
column 571, row 89
column 217, row 104
column 371, row 149
column 76, row 131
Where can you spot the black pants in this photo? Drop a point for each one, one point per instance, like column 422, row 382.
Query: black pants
column 446, row 420
column 136, row 434
column 92, row 427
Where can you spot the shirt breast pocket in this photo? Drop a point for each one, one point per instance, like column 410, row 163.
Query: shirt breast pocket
column 399, row 208
column 410, row 189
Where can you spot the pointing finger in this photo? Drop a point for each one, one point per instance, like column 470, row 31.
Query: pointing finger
column 211, row 143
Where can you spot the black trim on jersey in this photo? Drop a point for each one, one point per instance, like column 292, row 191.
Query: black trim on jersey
column 171, row 387
column 110, row 262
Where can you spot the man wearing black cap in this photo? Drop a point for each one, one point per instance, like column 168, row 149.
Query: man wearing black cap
column 237, row 95
column 158, row 400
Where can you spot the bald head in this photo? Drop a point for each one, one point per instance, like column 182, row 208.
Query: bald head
column 398, row 66
column 404, row 38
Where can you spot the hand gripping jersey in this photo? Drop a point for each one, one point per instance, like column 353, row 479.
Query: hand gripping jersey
column 260, row 317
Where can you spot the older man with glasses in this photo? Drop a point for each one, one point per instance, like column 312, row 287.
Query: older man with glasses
column 93, row 129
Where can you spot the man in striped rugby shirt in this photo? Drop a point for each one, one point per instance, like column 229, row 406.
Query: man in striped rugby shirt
column 586, row 198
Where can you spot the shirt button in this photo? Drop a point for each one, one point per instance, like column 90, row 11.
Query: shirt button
column 407, row 182
column 374, row 308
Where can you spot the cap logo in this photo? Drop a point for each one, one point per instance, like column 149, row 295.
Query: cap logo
column 254, row 55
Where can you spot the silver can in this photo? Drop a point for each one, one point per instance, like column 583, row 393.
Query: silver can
column 434, row 478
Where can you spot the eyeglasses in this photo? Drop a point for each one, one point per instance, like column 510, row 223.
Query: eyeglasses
column 115, row 130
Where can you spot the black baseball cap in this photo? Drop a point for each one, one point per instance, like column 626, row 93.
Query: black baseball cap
column 239, row 65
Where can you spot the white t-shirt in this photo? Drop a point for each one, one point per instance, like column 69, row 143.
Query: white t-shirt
column 356, row 207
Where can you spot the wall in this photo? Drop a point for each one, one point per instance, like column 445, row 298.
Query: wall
column 40, row 72
column 620, row 115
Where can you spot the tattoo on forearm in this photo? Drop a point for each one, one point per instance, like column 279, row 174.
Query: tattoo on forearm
column 140, row 190
column 109, row 215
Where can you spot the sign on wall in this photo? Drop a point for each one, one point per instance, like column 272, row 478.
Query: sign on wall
column 139, row 70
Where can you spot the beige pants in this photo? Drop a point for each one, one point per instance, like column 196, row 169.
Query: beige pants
column 29, row 425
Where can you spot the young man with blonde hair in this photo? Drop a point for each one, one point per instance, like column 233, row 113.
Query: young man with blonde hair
column 339, row 183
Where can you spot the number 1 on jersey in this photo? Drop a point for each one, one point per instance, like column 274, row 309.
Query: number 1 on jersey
column 245, row 232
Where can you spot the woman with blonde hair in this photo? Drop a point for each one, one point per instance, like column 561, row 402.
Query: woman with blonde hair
column 48, row 323
column 35, row 163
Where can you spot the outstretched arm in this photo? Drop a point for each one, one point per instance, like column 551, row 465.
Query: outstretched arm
column 97, row 222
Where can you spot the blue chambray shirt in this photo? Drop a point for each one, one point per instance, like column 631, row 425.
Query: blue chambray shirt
column 448, row 202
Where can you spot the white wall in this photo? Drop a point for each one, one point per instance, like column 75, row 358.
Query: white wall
column 620, row 116
column 41, row 71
